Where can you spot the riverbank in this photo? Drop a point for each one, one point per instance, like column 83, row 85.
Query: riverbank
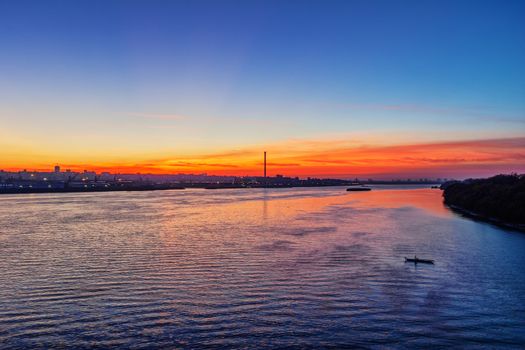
column 499, row 200
column 29, row 190
column 182, row 186
column 133, row 188
column 488, row 219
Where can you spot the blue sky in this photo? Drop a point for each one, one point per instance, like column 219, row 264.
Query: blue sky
column 151, row 77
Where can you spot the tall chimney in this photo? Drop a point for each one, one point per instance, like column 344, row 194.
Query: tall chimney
column 265, row 164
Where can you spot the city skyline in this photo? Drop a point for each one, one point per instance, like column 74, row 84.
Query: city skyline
column 456, row 159
column 342, row 90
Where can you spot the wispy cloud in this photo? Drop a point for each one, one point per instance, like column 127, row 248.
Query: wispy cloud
column 235, row 120
column 171, row 117
column 342, row 158
column 487, row 113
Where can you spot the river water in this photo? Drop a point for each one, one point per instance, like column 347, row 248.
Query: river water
column 302, row 267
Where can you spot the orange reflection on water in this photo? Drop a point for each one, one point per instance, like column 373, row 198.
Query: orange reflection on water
column 265, row 206
column 423, row 198
column 200, row 220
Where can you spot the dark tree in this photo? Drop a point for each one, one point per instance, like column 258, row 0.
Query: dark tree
column 501, row 197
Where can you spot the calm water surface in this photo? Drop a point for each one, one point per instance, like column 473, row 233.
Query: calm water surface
column 255, row 268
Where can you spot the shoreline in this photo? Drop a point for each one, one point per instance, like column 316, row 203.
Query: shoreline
column 497, row 199
column 487, row 219
column 88, row 190
column 183, row 186
column 144, row 188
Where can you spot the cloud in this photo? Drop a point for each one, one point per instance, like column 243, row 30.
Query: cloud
column 170, row 117
column 486, row 114
column 340, row 158
column 236, row 120
column 343, row 158
column 282, row 164
column 197, row 164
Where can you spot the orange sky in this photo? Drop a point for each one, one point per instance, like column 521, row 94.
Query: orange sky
column 335, row 158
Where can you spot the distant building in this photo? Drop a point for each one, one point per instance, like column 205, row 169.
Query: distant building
column 57, row 168
column 31, row 184
column 88, row 176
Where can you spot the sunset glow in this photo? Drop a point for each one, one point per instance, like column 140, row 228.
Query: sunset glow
column 207, row 88
column 332, row 159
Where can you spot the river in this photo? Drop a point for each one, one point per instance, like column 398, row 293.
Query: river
column 254, row 268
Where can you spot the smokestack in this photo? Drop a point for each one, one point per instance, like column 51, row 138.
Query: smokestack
column 265, row 164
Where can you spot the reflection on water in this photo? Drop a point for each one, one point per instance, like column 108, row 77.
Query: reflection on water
column 252, row 268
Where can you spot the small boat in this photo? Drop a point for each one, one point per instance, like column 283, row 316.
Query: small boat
column 416, row 260
column 358, row 189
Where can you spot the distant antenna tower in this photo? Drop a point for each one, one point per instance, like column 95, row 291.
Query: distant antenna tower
column 264, row 164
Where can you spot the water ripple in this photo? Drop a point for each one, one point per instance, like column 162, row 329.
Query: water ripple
column 255, row 268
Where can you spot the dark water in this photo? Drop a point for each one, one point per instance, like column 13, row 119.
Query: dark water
column 255, row 268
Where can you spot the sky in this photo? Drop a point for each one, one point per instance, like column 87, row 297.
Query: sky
column 382, row 89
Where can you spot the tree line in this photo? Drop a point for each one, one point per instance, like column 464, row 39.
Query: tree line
column 500, row 197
